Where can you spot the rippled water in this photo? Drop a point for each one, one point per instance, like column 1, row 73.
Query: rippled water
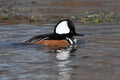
column 95, row 57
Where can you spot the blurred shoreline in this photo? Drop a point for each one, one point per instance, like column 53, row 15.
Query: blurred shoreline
column 44, row 12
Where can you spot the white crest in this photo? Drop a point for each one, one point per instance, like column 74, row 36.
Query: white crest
column 62, row 28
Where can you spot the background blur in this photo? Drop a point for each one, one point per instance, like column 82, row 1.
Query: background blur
column 82, row 11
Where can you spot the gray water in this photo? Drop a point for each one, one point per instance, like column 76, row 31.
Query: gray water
column 96, row 56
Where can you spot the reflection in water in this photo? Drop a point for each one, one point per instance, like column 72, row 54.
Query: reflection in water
column 30, row 56
column 63, row 56
column 64, row 70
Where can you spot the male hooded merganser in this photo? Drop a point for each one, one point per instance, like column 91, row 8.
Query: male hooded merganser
column 62, row 36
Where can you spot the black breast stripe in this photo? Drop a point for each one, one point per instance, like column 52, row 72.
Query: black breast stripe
column 70, row 40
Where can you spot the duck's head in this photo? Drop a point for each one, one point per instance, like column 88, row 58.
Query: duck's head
column 66, row 27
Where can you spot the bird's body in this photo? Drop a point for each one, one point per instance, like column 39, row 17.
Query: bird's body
column 63, row 36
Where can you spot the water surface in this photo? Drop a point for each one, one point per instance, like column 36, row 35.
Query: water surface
column 95, row 57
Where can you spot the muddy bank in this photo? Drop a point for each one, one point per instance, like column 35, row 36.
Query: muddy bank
column 53, row 10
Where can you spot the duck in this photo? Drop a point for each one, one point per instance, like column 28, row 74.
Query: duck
column 62, row 36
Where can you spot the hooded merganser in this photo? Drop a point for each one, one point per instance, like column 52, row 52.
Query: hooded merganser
column 62, row 36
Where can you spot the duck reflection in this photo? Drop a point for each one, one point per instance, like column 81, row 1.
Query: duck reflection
column 63, row 56
column 64, row 70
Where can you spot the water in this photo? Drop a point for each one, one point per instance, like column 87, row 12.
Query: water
column 95, row 57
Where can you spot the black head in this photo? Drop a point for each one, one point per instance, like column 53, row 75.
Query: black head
column 66, row 27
